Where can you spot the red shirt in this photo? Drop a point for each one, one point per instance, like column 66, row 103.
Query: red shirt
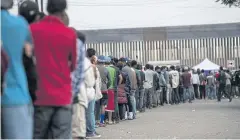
column 54, row 45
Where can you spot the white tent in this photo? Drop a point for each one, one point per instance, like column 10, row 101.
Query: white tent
column 206, row 64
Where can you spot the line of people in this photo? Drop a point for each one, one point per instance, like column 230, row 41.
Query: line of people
column 73, row 90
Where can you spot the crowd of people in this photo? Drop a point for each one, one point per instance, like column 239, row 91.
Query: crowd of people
column 74, row 91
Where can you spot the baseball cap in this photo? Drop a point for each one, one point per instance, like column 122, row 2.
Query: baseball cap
column 101, row 58
column 108, row 59
column 6, row 4
column 29, row 10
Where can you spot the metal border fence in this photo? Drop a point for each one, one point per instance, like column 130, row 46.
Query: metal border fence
column 189, row 51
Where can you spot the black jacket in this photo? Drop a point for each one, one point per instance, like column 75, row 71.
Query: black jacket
column 31, row 74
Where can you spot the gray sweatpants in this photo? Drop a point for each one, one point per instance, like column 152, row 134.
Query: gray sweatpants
column 53, row 122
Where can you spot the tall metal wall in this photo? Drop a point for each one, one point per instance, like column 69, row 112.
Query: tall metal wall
column 189, row 51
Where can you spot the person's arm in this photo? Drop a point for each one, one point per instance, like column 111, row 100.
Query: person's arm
column 164, row 81
column 108, row 78
column 198, row 80
column 120, row 79
column 28, row 46
column 156, row 81
column 73, row 53
column 143, row 77
column 79, row 72
column 138, row 78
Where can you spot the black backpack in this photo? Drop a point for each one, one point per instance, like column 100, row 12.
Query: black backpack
column 222, row 78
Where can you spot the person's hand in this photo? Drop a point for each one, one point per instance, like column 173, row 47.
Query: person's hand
column 28, row 49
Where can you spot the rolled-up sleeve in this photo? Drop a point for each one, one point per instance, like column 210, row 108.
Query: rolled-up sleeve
column 78, row 74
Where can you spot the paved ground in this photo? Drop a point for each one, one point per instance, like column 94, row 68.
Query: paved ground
column 202, row 119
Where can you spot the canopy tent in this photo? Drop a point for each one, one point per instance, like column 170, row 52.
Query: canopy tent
column 206, row 64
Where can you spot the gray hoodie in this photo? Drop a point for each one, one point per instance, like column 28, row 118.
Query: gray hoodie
column 105, row 77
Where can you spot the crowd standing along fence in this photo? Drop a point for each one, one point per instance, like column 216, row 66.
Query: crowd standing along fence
column 189, row 51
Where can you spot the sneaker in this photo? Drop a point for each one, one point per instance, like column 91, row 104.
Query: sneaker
column 102, row 125
column 126, row 115
column 97, row 134
column 142, row 110
column 110, row 122
column 93, row 136
column 117, row 121
column 130, row 117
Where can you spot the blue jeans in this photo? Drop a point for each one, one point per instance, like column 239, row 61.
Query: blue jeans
column 187, row 93
column 17, row 122
column 210, row 92
column 133, row 101
column 90, row 117
column 141, row 98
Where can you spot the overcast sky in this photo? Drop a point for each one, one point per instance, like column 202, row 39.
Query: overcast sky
column 110, row 14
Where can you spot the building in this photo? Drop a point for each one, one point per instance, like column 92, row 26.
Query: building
column 189, row 44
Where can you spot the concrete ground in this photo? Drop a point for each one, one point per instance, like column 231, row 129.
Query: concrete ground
column 203, row 119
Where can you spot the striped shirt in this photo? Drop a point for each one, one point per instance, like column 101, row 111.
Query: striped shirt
column 78, row 74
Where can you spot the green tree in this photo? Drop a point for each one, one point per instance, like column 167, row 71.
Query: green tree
column 230, row 3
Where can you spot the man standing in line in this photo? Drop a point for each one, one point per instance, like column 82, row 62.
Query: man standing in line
column 105, row 84
column 79, row 102
column 181, row 85
column 186, row 80
column 90, row 112
column 167, row 90
column 196, row 83
column 175, row 83
column 29, row 10
column 210, row 85
column 148, row 85
column 55, row 48
column 155, row 84
column 130, row 87
column 222, row 84
column 16, row 104
column 136, row 82
column 111, row 90
column 228, row 82
column 137, row 93
column 141, row 89
column 161, row 85
column 202, row 87
column 119, row 79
